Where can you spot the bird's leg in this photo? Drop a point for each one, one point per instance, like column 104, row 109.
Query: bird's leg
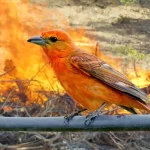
column 76, row 113
column 90, row 118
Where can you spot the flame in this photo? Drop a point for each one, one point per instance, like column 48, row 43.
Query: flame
column 24, row 69
column 142, row 80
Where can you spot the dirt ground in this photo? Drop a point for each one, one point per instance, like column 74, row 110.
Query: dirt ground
column 113, row 25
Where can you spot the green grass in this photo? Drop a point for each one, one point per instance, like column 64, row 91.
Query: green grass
column 127, row 2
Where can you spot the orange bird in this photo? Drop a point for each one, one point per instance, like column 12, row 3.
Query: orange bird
column 86, row 78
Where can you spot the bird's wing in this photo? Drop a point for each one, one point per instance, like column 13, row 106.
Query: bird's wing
column 100, row 70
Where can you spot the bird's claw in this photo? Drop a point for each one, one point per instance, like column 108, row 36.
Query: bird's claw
column 90, row 118
column 69, row 117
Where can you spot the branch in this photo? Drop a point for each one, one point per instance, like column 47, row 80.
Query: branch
column 101, row 123
column 7, row 71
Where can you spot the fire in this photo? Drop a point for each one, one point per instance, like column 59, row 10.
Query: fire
column 142, row 80
column 24, row 68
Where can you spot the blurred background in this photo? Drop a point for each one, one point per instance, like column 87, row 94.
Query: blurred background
column 117, row 31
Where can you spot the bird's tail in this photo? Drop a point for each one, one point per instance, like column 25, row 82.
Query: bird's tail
column 145, row 107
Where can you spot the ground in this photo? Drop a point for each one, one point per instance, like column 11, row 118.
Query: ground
column 113, row 26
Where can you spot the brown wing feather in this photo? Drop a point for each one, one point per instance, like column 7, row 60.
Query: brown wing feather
column 100, row 70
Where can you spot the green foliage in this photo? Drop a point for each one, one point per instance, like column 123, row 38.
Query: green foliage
column 130, row 52
column 128, row 1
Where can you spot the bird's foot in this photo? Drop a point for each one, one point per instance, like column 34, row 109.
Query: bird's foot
column 90, row 118
column 70, row 116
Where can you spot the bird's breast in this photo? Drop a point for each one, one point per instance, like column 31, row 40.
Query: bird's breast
column 80, row 86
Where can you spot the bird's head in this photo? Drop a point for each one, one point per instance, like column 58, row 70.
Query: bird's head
column 55, row 43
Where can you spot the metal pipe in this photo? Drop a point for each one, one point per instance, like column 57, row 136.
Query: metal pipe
column 101, row 123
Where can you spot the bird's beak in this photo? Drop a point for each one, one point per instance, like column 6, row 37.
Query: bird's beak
column 37, row 40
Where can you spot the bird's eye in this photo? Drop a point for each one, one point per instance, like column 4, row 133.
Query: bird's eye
column 53, row 39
